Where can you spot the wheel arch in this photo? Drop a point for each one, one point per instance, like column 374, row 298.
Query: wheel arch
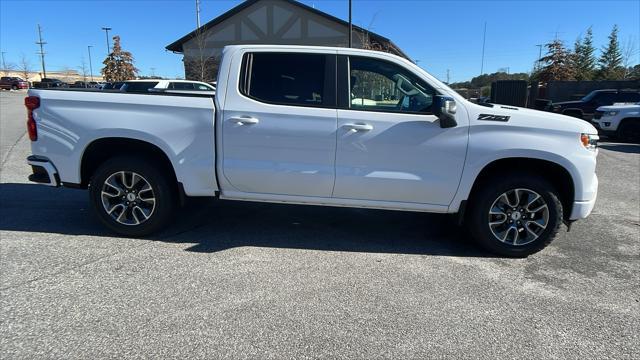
column 102, row 149
column 555, row 173
column 627, row 120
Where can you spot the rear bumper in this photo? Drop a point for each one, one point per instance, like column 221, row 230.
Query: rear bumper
column 44, row 172
column 582, row 209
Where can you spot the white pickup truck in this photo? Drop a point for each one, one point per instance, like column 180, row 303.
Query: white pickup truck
column 319, row 126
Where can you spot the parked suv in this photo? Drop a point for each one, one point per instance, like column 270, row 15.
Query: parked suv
column 619, row 121
column 586, row 107
column 13, row 83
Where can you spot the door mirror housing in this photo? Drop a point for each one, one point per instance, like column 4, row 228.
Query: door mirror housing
column 444, row 108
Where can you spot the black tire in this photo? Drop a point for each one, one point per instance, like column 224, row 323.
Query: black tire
column 629, row 131
column 477, row 219
column 163, row 190
column 13, row 87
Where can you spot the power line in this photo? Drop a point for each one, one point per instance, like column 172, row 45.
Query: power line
column 41, row 53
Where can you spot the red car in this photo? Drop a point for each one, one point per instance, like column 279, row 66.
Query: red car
column 13, row 83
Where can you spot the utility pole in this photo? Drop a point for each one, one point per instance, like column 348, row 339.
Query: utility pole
column 106, row 30
column 484, row 39
column 198, row 14
column 90, row 65
column 539, row 56
column 4, row 65
column 448, row 76
column 41, row 43
column 350, row 24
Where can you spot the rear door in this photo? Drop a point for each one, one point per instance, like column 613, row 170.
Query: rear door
column 390, row 145
column 279, row 125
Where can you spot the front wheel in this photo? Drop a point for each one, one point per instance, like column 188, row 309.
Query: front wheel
column 629, row 131
column 515, row 216
column 131, row 197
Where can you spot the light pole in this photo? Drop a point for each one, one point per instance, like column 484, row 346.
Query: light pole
column 90, row 65
column 350, row 24
column 106, row 30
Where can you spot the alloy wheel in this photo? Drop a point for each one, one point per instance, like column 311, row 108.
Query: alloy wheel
column 518, row 216
column 128, row 198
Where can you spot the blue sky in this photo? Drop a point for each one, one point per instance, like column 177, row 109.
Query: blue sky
column 441, row 34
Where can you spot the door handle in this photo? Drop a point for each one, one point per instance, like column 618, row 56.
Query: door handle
column 244, row 120
column 358, row 127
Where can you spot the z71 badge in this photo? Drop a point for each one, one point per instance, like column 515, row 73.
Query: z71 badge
column 490, row 117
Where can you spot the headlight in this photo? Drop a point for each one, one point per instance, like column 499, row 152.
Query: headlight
column 589, row 141
column 612, row 113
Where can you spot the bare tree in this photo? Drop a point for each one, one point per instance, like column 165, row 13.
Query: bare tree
column 83, row 69
column 24, row 66
column 8, row 69
column 629, row 51
column 201, row 67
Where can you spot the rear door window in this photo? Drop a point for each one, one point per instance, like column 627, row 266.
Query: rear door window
column 629, row 97
column 289, row 79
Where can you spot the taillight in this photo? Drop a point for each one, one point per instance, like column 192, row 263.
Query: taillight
column 32, row 103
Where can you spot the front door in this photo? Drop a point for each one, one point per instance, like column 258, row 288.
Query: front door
column 279, row 125
column 390, row 146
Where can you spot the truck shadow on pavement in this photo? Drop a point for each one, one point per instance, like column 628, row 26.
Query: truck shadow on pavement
column 211, row 226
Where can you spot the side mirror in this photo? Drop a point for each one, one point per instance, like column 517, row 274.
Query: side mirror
column 445, row 109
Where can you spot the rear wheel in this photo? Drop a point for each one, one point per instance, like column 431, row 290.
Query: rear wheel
column 515, row 216
column 131, row 197
column 14, row 87
column 629, row 131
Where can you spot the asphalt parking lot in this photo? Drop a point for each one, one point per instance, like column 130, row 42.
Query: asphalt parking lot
column 252, row 280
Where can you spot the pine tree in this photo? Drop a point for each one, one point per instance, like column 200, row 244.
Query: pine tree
column 118, row 66
column 557, row 63
column 611, row 59
column 584, row 60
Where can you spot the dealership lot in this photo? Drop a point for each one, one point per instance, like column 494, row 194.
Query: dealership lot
column 252, row 280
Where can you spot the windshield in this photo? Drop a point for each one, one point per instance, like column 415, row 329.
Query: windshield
column 589, row 96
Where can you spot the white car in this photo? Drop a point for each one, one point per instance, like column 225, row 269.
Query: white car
column 281, row 133
column 620, row 121
column 160, row 84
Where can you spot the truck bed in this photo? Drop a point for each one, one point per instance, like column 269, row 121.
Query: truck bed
column 180, row 124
